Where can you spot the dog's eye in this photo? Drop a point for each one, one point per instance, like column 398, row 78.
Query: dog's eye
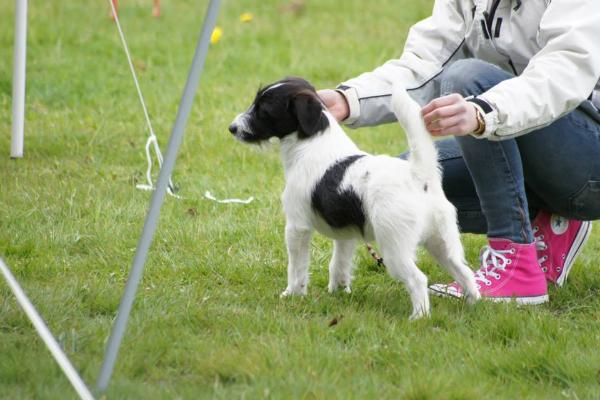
column 263, row 112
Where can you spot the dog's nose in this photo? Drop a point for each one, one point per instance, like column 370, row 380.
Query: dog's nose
column 233, row 128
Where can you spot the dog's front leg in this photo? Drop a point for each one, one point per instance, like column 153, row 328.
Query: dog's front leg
column 340, row 266
column 298, row 242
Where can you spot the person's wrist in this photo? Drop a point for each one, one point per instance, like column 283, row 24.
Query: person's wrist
column 480, row 123
column 336, row 103
column 487, row 118
column 344, row 109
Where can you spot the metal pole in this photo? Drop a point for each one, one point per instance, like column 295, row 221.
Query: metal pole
column 158, row 197
column 20, row 52
column 45, row 334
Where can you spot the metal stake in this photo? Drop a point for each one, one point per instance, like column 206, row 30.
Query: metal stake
column 158, row 197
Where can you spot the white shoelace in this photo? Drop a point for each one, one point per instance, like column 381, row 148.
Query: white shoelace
column 492, row 260
column 540, row 245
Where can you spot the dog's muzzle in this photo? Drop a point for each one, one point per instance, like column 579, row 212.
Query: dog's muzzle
column 233, row 128
column 239, row 127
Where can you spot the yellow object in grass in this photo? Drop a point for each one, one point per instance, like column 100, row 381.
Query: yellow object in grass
column 216, row 35
column 246, row 17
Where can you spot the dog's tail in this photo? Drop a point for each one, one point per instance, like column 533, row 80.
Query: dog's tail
column 423, row 154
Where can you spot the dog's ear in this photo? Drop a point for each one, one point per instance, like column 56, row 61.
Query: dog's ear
column 309, row 112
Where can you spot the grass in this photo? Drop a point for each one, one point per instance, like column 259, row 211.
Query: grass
column 207, row 322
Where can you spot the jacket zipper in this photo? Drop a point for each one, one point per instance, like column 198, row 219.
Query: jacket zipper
column 489, row 21
column 519, row 4
column 489, row 17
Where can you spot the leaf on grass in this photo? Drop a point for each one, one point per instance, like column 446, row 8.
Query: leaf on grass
column 192, row 211
column 293, row 7
column 335, row 321
column 246, row 17
column 140, row 65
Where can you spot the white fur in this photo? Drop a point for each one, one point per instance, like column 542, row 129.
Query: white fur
column 400, row 213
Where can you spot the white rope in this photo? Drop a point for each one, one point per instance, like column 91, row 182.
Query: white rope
column 152, row 139
column 209, row 196
column 152, row 142
column 42, row 329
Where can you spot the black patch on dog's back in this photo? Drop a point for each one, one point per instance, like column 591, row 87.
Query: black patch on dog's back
column 339, row 208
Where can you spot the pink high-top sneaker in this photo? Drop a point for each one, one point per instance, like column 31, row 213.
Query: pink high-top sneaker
column 559, row 241
column 509, row 271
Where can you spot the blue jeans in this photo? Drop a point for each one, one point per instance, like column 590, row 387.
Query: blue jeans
column 497, row 186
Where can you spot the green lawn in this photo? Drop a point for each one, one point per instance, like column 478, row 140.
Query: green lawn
column 208, row 321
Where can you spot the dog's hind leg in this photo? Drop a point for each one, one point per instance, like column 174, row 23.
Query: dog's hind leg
column 298, row 243
column 341, row 265
column 399, row 254
column 445, row 246
column 406, row 270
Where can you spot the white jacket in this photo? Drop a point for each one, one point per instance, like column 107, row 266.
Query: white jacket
column 551, row 46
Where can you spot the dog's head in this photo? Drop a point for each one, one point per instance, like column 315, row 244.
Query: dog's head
column 288, row 106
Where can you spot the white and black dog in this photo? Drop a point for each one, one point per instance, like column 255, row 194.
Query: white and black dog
column 349, row 195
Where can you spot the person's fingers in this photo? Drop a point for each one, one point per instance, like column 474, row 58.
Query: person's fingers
column 442, row 113
column 441, row 102
column 450, row 131
column 447, row 122
column 461, row 128
column 450, row 115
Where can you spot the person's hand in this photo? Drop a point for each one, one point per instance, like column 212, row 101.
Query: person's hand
column 336, row 103
column 450, row 115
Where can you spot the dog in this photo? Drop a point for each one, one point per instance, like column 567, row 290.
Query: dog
column 350, row 196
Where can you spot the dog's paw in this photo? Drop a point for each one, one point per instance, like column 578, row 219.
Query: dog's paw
column 473, row 297
column 331, row 288
column 289, row 291
column 418, row 314
column 339, row 281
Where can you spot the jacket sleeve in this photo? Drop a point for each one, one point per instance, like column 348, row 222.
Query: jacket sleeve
column 431, row 43
column 557, row 79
